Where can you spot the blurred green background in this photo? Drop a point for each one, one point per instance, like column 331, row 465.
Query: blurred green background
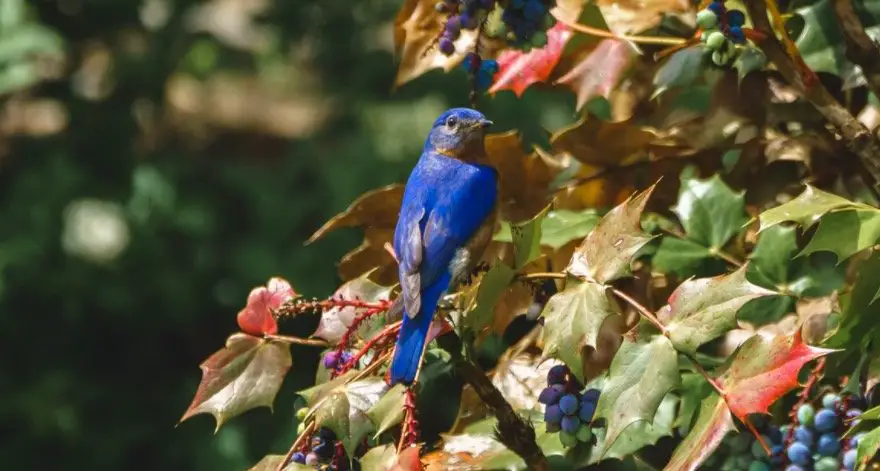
column 160, row 158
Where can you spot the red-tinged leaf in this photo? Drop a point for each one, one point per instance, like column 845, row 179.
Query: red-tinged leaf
column 416, row 30
column 256, row 318
column 517, row 70
column 608, row 250
column 408, row 460
column 245, row 374
column 599, row 71
column 763, row 369
column 713, row 423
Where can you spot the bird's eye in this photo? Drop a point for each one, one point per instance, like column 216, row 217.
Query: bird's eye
column 452, row 123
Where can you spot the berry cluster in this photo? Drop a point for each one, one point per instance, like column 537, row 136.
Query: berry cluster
column 484, row 69
column 322, row 447
column 522, row 23
column 722, row 31
column 567, row 410
column 335, row 359
column 463, row 14
column 742, row 452
column 817, row 444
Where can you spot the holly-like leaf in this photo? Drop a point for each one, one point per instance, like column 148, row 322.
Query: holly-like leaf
column 694, row 389
column 770, row 259
column 703, row 309
column 869, row 445
column 599, row 71
column 388, row 412
column 845, row 232
column 856, row 322
column 680, row 70
column 713, row 423
column 526, row 239
column 245, row 374
column 380, row 458
column 559, row 227
column 524, row 179
column 376, row 208
column 804, row 210
column 521, row 379
column 710, row 212
column 573, row 319
column 492, row 286
column 417, row 28
column 640, row 377
column 517, row 70
column 751, row 59
column 763, row 369
column 601, row 143
column 256, row 318
column 608, row 251
column 271, row 462
column 336, row 320
column 634, row 17
column 343, row 409
column 684, row 258
column 643, row 433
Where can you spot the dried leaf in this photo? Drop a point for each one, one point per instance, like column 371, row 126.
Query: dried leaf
column 607, row 252
column 490, row 289
column 375, row 208
column 524, row 178
column 637, row 16
column 517, row 70
column 245, row 374
column 599, row 71
column 602, row 143
column 256, row 318
column 521, row 379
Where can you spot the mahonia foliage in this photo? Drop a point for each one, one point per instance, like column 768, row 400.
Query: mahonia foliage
column 664, row 267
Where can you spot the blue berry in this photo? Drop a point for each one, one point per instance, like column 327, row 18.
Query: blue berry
column 804, row 435
column 825, row 420
column 794, row 467
column 830, row 401
column 490, row 66
column 324, row 450
column 299, row 457
column 854, row 440
column 534, row 11
column 557, row 374
column 829, row 444
column 549, row 396
column 553, row 414
column 587, row 411
column 774, row 435
column 736, row 18
column 484, row 80
column 735, row 34
column 799, row 454
column 570, row 424
column 569, row 404
column 805, row 414
column 777, row 454
column 591, row 395
column 849, row 459
column 716, row 7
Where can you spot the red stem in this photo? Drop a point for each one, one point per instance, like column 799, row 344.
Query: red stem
column 384, row 334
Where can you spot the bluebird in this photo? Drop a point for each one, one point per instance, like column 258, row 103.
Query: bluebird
column 445, row 223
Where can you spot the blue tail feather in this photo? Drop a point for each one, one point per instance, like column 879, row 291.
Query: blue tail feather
column 414, row 333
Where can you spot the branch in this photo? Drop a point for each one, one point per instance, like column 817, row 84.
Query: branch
column 289, row 339
column 855, row 135
column 860, row 48
column 601, row 33
column 650, row 317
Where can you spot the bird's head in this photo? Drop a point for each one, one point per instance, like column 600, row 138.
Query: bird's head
column 459, row 133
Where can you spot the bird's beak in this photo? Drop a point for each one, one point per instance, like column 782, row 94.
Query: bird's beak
column 485, row 123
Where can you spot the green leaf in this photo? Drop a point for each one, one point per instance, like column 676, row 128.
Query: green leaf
column 25, row 40
column 846, row 232
column 748, row 61
column 769, row 266
column 710, row 212
column 683, row 258
column 245, row 374
column 559, row 227
column 857, row 322
column 704, row 309
column 388, row 412
column 640, row 376
column 380, row 457
column 609, row 249
column 271, row 462
column 644, row 433
column 694, row 389
column 11, row 14
column 804, row 210
column 492, row 286
column 573, row 319
column 869, row 445
column 343, row 409
column 713, row 423
column 680, row 70
column 526, row 238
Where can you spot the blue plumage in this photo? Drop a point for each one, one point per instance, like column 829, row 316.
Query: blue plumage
column 444, row 225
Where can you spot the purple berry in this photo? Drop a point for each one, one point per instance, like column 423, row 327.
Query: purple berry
column 569, row 404
column 299, row 457
column 312, row 459
column 549, row 396
column 570, row 424
column 853, row 413
column 557, row 374
column 331, row 359
column 447, row 47
column 591, row 395
column 553, row 414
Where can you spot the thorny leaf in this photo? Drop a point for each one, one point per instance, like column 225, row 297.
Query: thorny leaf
column 763, row 369
column 416, row 30
column 710, row 212
column 751, row 59
column 517, row 70
column 637, row 16
column 271, row 462
column 640, row 377
column 607, row 252
column 845, row 233
column 642, row 433
column 559, row 227
column 521, row 379
column 804, row 210
column 245, row 374
column 526, row 239
column 599, row 71
column 595, row 142
column 524, row 178
column 336, row 320
column 703, row 309
column 680, row 70
column 388, row 412
column 376, row 208
column 572, row 321
column 713, row 423
column 857, row 322
column 256, row 318
column 380, row 458
column 869, row 445
column 492, row 286
column 343, row 409
column 407, row 460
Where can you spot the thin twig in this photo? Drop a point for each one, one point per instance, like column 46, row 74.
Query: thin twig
column 642, row 310
column 541, row 276
column 758, row 436
column 296, row 444
column 855, row 135
column 297, row 340
column 601, row 33
column 860, row 48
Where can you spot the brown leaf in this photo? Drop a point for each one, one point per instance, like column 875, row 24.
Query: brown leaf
column 602, row 143
column 598, row 71
column 375, row 208
column 372, row 257
column 416, row 30
column 245, row 374
column 521, row 379
column 636, row 16
column 524, row 178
